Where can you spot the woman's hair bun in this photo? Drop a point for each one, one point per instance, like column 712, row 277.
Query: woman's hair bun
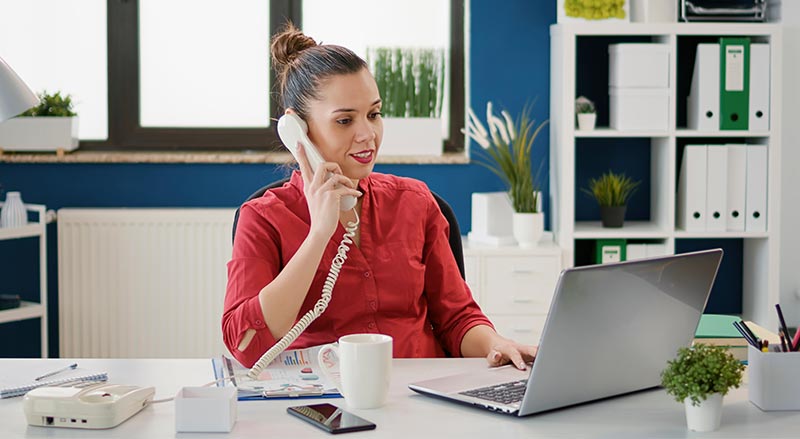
column 287, row 45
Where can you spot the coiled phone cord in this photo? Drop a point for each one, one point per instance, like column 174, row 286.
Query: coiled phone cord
column 319, row 307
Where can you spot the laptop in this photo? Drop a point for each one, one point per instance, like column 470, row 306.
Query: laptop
column 610, row 331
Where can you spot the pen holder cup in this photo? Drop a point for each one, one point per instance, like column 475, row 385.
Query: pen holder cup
column 205, row 409
column 773, row 383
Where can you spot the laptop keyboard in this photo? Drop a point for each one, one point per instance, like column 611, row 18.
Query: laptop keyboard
column 506, row 393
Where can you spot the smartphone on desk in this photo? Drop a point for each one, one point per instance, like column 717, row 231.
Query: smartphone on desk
column 330, row 418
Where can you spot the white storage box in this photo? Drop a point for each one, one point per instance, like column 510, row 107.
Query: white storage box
column 640, row 65
column 492, row 219
column 639, row 109
column 205, row 409
column 654, row 11
column 773, row 383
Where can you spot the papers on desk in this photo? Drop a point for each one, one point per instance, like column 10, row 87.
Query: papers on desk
column 294, row 374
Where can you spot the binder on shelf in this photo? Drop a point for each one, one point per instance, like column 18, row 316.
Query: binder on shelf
column 734, row 93
column 703, row 101
column 657, row 249
column 759, row 87
column 737, row 182
column 756, row 190
column 716, row 188
column 610, row 250
column 691, row 209
column 635, row 251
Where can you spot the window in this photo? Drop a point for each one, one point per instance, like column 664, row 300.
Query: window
column 51, row 56
column 194, row 74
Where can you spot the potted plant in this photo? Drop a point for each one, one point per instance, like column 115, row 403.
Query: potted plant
column 612, row 192
column 587, row 116
column 50, row 126
column 506, row 151
column 411, row 84
column 699, row 377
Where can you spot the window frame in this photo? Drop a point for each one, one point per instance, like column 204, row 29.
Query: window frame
column 126, row 134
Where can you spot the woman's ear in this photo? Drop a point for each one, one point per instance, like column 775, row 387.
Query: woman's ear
column 290, row 111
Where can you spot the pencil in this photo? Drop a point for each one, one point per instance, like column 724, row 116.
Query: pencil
column 781, row 320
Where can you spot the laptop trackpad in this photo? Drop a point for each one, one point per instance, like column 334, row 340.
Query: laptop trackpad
column 474, row 380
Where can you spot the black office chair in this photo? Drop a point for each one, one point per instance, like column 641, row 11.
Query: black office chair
column 447, row 211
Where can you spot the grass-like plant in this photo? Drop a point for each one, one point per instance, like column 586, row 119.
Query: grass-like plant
column 612, row 189
column 700, row 371
column 506, row 151
column 595, row 9
column 52, row 105
column 410, row 81
column 584, row 106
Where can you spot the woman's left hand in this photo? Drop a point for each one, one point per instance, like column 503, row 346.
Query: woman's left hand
column 507, row 351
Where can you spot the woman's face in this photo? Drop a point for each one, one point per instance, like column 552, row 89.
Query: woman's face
column 345, row 123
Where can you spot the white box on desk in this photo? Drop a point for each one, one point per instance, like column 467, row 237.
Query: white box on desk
column 773, row 383
column 638, row 65
column 639, row 109
column 205, row 409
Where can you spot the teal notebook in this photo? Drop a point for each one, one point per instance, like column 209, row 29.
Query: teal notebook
column 717, row 326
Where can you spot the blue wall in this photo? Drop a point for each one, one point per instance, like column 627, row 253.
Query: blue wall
column 509, row 65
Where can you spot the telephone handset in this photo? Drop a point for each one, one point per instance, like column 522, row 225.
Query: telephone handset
column 292, row 129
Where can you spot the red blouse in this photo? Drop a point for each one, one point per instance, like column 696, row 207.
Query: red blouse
column 402, row 280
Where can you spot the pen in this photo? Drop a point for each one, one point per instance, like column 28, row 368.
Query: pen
column 784, row 348
column 55, row 372
column 746, row 336
column 764, row 345
column 781, row 320
column 752, row 335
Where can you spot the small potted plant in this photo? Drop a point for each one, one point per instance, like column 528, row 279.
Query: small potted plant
column 587, row 116
column 612, row 192
column 699, row 377
column 50, row 126
column 506, row 151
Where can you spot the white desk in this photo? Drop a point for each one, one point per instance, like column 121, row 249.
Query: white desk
column 648, row 414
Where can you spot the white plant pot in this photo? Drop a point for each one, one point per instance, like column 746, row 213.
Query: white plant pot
column 706, row 416
column 528, row 228
column 40, row 133
column 411, row 136
column 586, row 121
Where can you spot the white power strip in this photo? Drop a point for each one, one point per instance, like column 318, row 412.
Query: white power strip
column 93, row 407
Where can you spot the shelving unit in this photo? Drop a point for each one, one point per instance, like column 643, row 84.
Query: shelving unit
column 760, row 267
column 31, row 310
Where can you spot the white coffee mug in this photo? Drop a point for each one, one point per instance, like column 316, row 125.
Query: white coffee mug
column 365, row 368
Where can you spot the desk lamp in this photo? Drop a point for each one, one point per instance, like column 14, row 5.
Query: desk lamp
column 15, row 96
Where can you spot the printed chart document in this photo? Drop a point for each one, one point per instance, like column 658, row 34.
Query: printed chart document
column 293, row 374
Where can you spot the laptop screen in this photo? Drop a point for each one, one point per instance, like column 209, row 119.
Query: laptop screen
column 612, row 328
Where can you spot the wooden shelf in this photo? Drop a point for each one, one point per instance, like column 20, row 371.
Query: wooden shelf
column 605, row 132
column 27, row 231
column 683, row 132
column 26, row 310
column 631, row 229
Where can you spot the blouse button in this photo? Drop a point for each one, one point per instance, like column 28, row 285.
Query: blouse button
column 366, row 274
column 373, row 304
column 258, row 322
column 371, row 325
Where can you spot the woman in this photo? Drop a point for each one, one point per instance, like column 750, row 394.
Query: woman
column 400, row 277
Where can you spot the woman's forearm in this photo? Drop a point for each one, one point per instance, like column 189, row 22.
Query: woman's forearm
column 478, row 341
column 282, row 298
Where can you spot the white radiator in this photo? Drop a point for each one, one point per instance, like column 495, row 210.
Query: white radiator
column 142, row 283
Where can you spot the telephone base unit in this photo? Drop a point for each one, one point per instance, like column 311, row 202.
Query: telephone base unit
column 97, row 406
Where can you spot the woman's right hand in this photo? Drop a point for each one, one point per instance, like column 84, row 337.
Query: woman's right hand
column 323, row 193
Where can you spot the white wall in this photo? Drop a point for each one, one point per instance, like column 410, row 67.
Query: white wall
column 790, row 178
